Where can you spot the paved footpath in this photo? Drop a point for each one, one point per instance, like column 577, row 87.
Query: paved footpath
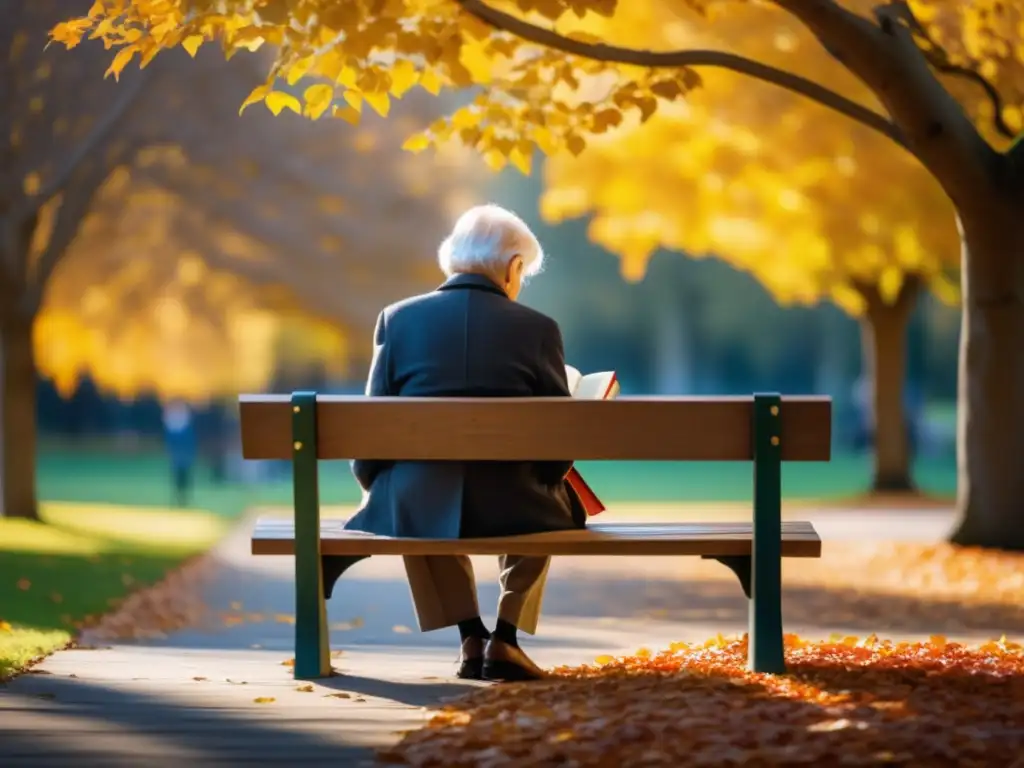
column 194, row 695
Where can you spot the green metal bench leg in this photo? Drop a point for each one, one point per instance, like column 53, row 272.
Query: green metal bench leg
column 312, row 648
column 765, row 634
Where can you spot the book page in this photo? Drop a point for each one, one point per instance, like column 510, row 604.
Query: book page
column 573, row 376
column 597, row 386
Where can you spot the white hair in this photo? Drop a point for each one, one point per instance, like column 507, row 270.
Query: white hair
column 485, row 239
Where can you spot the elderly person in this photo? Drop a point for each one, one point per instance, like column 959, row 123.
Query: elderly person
column 469, row 338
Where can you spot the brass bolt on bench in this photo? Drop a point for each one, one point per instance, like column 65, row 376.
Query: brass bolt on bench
column 766, row 430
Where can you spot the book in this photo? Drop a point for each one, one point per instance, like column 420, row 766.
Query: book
column 594, row 386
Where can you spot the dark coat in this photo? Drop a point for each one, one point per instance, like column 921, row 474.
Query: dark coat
column 466, row 339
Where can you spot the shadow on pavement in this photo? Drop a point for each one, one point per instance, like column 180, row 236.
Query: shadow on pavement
column 425, row 694
column 68, row 722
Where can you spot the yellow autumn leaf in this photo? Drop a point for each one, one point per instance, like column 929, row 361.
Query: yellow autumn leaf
column 604, row 660
column 521, row 160
column 191, row 44
column 354, row 99
column 347, row 113
column 121, row 59
column 5, row 626
column 430, row 82
column 264, row 700
column 416, row 143
column 495, row 160
column 380, row 102
column 403, row 77
column 277, row 101
column 307, row 688
column 259, row 93
column 318, row 98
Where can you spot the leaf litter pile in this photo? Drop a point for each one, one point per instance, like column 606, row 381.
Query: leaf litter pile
column 847, row 701
column 843, row 702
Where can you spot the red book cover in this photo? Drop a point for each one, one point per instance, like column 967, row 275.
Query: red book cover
column 591, row 503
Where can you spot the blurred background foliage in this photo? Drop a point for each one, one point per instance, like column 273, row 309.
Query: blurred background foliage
column 171, row 249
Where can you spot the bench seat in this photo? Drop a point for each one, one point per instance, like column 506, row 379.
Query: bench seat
column 713, row 540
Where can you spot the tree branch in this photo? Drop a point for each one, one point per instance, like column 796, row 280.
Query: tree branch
column 887, row 59
column 100, row 130
column 678, row 59
column 938, row 57
column 78, row 198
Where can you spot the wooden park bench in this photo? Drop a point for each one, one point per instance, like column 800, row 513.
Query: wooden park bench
column 764, row 429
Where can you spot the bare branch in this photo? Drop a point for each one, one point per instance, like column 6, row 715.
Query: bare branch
column 680, row 59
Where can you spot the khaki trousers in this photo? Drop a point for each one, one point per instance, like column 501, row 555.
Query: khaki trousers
column 444, row 590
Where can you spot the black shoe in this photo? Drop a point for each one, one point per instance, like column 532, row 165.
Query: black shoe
column 508, row 664
column 471, row 659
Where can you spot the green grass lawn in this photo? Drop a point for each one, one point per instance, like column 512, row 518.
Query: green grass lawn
column 108, row 527
column 143, row 479
column 79, row 561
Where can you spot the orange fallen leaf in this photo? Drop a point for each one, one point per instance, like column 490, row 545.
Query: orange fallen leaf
column 5, row 626
column 308, row 688
column 284, row 618
column 56, row 597
column 288, row 663
column 24, row 585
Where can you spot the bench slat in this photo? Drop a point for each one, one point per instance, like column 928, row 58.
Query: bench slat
column 799, row 539
column 525, row 429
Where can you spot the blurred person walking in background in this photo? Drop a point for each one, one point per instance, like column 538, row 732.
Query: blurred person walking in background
column 180, row 432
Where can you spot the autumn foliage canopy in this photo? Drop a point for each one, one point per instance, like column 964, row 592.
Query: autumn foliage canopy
column 787, row 188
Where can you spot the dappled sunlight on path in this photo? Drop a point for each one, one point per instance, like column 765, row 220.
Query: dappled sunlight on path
column 204, row 646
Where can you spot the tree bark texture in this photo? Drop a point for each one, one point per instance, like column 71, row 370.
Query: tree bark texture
column 990, row 426
column 17, row 419
column 884, row 346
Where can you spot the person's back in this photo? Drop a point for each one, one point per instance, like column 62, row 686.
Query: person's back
column 470, row 338
column 467, row 339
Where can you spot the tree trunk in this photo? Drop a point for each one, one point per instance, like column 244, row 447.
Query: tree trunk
column 17, row 419
column 884, row 346
column 990, row 423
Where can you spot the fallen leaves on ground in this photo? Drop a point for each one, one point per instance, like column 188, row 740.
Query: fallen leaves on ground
column 849, row 702
column 264, row 700
column 171, row 604
column 899, row 587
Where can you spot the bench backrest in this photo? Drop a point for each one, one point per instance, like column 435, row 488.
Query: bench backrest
column 523, row 429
